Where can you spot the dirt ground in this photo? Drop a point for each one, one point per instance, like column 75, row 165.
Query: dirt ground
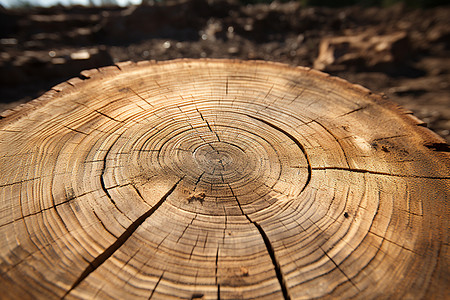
column 401, row 52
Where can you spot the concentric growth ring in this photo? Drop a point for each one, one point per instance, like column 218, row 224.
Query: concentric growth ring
column 219, row 179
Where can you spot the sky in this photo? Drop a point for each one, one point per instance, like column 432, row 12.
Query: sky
column 12, row 3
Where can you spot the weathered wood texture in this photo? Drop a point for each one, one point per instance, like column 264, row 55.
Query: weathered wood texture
column 220, row 179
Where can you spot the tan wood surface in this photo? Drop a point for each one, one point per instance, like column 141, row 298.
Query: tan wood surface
column 220, row 179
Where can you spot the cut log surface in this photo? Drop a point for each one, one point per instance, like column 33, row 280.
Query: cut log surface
column 220, row 179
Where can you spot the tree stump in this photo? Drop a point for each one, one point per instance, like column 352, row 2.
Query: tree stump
column 220, row 179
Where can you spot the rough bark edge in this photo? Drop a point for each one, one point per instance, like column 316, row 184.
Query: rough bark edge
column 431, row 140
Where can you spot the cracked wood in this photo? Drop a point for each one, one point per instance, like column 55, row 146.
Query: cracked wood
column 220, row 179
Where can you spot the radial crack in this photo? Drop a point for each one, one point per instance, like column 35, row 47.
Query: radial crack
column 354, row 110
column 337, row 266
column 193, row 248
column 108, row 252
column 209, row 126
column 105, row 115
column 379, row 173
column 210, row 129
column 269, row 248
column 192, row 221
column 75, row 130
column 142, row 98
column 298, row 96
column 226, row 87
column 156, row 285
column 217, row 260
column 198, row 180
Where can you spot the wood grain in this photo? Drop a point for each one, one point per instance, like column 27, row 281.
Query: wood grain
column 220, row 179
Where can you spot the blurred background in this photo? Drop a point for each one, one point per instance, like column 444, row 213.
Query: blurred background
column 399, row 48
